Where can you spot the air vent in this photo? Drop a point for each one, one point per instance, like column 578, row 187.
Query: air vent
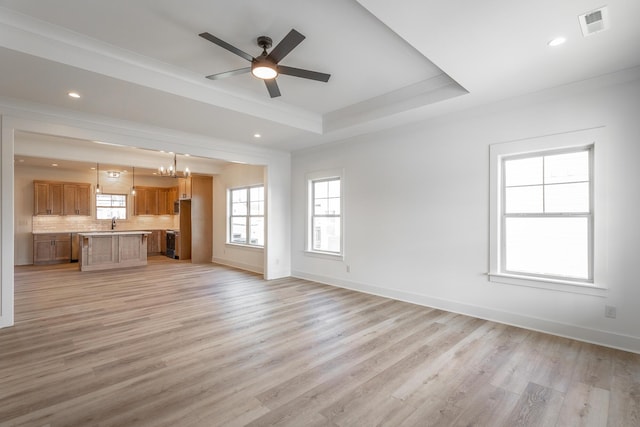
column 594, row 21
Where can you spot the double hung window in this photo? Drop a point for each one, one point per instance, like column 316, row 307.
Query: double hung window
column 547, row 215
column 109, row 206
column 246, row 216
column 325, row 222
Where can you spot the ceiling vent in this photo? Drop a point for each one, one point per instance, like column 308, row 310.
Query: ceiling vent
column 594, row 21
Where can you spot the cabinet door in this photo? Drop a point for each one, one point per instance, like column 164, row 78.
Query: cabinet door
column 152, row 201
column 163, row 204
column 171, row 198
column 70, row 196
column 184, row 188
column 62, row 249
column 41, row 198
column 83, row 200
column 55, row 199
column 140, row 202
column 42, row 251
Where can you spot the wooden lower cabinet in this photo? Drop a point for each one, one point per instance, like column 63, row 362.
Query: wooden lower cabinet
column 154, row 242
column 51, row 248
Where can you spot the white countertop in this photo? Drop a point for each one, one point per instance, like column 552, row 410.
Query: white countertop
column 111, row 233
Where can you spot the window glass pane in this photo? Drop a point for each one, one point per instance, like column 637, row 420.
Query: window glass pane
column 523, row 171
column 548, row 246
column 333, row 206
column 320, row 189
column 326, row 234
column 566, row 198
column 238, row 230
column 109, row 213
column 569, row 167
column 239, row 208
column 239, row 195
column 257, row 208
column 118, row 200
column 256, row 231
column 257, row 194
column 103, row 200
column 523, row 199
column 334, row 188
column 320, row 207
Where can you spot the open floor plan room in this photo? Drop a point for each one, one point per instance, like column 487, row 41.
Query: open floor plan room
column 179, row 344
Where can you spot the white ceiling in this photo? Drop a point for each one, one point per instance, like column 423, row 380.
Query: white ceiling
column 391, row 62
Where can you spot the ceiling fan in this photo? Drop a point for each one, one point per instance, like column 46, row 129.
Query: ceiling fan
column 266, row 66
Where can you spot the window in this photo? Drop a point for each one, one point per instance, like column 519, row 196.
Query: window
column 547, row 216
column 246, row 216
column 548, row 213
column 110, row 206
column 326, row 215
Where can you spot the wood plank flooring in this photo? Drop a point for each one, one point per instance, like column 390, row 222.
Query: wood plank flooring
column 177, row 344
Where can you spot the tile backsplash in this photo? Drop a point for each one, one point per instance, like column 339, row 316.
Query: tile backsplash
column 57, row 224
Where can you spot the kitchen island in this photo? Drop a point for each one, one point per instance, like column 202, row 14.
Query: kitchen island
column 102, row 250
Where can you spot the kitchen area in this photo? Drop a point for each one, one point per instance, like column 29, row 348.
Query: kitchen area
column 60, row 211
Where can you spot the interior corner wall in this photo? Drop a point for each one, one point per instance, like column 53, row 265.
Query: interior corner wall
column 416, row 216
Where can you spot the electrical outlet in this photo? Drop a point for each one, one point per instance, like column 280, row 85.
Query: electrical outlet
column 610, row 311
column 348, row 269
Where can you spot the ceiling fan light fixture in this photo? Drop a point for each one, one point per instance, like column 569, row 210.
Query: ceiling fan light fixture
column 264, row 71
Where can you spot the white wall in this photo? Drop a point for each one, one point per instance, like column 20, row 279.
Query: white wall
column 417, row 203
column 233, row 176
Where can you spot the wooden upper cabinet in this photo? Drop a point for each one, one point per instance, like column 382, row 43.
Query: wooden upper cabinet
column 61, row 198
column 154, row 200
column 184, row 188
column 77, row 199
column 48, row 198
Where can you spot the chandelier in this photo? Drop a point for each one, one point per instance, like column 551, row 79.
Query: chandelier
column 172, row 170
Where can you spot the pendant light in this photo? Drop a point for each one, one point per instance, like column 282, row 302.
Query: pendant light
column 133, row 181
column 172, row 170
column 97, row 178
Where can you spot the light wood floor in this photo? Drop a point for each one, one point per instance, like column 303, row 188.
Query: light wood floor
column 176, row 344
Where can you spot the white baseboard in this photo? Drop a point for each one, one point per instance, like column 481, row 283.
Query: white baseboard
column 594, row 336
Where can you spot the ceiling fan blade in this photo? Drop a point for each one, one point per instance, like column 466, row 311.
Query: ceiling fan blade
column 288, row 43
column 272, row 87
column 224, row 44
column 229, row 73
column 305, row 74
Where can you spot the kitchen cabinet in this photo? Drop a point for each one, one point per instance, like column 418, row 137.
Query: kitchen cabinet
column 154, row 242
column 76, row 199
column 61, row 198
column 166, row 197
column 154, row 200
column 47, row 198
column 51, row 248
column 184, row 188
column 146, row 202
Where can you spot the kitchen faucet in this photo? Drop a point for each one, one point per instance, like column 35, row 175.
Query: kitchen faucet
column 113, row 223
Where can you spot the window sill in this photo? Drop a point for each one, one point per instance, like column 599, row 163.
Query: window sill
column 325, row 255
column 549, row 284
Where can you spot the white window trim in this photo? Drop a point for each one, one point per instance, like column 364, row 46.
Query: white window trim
column 248, row 216
column 316, row 176
column 590, row 137
column 126, row 206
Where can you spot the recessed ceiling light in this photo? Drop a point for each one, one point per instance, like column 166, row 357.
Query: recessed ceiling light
column 74, row 94
column 54, row 164
column 257, row 135
column 557, row 41
column 187, row 155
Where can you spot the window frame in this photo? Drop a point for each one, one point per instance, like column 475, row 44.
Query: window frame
column 588, row 215
column 311, row 178
column 247, row 217
column 125, row 207
column 595, row 140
